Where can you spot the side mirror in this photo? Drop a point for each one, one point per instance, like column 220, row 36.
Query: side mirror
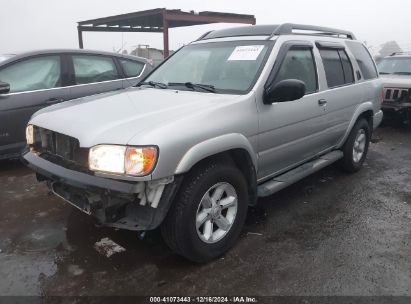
column 4, row 87
column 285, row 90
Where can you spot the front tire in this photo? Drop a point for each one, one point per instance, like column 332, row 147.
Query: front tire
column 356, row 147
column 207, row 216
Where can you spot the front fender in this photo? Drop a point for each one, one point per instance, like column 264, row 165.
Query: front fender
column 214, row 146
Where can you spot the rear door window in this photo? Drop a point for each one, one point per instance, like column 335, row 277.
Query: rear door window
column 91, row 68
column 364, row 59
column 131, row 68
column 337, row 66
column 333, row 67
column 347, row 67
column 32, row 74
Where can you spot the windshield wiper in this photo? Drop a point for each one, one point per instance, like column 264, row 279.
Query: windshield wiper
column 402, row 73
column 194, row 86
column 384, row 73
column 153, row 84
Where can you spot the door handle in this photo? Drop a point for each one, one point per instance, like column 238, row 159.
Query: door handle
column 53, row 100
column 322, row 102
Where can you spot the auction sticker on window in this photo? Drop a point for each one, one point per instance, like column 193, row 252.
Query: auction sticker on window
column 246, row 52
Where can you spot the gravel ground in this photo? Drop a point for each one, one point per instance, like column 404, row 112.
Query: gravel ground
column 330, row 234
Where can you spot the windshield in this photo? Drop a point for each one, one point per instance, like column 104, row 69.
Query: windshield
column 225, row 66
column 399, row 66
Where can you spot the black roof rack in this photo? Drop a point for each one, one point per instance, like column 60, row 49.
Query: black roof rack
column 274, row 30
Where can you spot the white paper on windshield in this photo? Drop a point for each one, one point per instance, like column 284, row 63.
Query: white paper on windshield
column 246, row 52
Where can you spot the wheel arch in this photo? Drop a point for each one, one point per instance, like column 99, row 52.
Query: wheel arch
column 234, row 148
column 365, row 110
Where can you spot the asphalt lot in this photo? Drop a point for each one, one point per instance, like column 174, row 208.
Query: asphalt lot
column 330, row 234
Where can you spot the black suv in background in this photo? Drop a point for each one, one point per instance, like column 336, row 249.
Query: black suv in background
column 31, row 81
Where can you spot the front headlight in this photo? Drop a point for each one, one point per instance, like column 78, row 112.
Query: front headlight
column 30, row 135
column 135, row 161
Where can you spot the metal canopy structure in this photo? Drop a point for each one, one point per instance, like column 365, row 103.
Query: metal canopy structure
column 157, row 20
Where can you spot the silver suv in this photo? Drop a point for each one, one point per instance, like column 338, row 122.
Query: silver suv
column 238, row 114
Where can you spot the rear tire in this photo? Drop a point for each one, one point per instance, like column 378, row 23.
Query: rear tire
column 202, row 224
column 356, row 147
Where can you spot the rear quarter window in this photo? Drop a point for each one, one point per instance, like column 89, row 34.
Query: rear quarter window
column 364, row 60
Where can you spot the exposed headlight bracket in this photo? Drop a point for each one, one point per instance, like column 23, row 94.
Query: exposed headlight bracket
column 153, row 190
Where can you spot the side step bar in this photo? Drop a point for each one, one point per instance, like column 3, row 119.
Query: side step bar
column 282, row 181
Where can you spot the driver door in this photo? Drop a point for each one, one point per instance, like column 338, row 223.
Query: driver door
column 93, row 74
column 291, row 132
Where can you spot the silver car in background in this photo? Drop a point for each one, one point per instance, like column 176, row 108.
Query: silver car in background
column 34, row 80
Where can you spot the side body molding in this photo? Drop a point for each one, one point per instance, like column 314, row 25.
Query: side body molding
column 213, row 146
column 365, row 106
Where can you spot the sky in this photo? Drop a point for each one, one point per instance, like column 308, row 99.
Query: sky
column 28, row 24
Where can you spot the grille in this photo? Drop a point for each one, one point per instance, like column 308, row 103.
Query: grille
column 397, row 95
column 59, row 148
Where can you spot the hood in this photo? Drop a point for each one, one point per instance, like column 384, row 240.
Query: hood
column 116, row 117
column 397, row 81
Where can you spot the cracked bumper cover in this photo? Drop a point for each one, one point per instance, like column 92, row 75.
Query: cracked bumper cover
column 121, row 204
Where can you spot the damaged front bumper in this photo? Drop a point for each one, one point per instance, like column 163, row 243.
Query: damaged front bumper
column 121, row 204
column 396, row 106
